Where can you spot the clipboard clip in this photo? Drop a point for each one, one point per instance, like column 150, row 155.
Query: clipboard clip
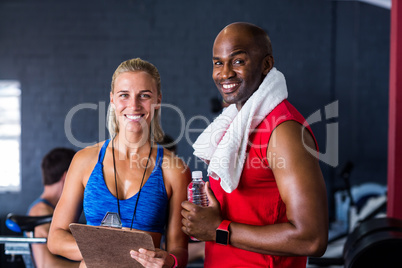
column 111, row 219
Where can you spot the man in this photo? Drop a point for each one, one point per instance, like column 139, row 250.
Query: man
column 267, row 196
column 54, row 168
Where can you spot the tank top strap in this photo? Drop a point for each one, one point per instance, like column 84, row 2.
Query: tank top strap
column 159, row 156
column 40, row 200
column 103, row 151
column 47, row 202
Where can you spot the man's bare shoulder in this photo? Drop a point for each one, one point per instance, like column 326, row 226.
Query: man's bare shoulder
column 40, row 209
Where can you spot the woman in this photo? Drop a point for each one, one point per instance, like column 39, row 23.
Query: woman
column 129, row 174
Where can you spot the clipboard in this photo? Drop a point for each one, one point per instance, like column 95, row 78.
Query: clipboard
column 109, row 247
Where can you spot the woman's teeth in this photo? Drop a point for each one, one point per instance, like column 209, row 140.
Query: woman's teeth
column 133, row 117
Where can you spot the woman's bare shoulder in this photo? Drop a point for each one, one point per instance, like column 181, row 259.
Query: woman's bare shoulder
column 87, row 156
column 174, row 166
column 173, row 162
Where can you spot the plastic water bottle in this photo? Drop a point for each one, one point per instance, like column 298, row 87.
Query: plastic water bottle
column 196, row 190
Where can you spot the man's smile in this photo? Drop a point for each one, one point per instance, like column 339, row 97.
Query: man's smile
column 229, row 87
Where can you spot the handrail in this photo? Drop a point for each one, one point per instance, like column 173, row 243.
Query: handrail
column 29, row 240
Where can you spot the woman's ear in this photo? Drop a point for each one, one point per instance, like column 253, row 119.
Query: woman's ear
column 268, row 64
column 112, row 100
column 158, row 102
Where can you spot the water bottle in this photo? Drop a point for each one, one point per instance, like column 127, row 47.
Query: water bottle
column 196, row 190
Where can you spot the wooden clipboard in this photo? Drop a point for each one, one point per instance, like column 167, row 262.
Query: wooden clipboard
column 109, row 247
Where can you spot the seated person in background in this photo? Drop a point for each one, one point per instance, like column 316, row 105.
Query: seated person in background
column 54, row 168
column 129, row 174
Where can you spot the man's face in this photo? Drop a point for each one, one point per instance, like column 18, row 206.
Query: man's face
column 237, row 66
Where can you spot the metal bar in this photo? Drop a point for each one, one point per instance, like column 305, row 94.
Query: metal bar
column 29, row 240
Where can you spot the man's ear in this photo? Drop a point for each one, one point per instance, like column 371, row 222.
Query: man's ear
column 268, row 64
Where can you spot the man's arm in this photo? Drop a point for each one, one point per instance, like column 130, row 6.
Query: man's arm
column 302, row 189
column 41, row 254
column 69, row 207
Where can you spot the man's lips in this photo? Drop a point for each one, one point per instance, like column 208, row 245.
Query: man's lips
column 229, row 87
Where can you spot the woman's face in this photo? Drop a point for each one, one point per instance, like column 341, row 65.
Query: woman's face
column 135, row 98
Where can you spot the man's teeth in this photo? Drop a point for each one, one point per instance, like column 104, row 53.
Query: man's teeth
column 226, row 86
column 133, row 117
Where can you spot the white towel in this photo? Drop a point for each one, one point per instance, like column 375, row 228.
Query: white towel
column 223, row 144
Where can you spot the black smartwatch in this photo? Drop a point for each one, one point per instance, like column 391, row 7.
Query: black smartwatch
column 222, row 233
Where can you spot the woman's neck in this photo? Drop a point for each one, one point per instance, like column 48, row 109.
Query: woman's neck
column 129, row 146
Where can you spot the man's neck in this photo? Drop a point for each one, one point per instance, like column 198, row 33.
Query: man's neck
column 52, row 193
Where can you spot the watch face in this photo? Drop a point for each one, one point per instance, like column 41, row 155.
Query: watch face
column 222, row 237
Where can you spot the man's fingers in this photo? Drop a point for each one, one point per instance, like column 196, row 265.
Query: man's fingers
column 187, row 205
column 184, row 229
column 211, row 196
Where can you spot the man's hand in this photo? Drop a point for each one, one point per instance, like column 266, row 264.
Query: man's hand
column 201, row 222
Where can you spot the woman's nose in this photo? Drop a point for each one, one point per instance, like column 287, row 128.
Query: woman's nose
column 134, row 103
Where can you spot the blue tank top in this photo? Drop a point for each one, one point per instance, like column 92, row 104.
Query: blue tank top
column 39, row 200
column 151, row 214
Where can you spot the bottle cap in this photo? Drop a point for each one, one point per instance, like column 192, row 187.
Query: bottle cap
column 197, row 174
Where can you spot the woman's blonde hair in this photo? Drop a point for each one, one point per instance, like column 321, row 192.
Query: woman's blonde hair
column 136, row 65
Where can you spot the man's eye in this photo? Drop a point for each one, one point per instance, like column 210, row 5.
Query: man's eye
column 217, row 63
column 238, row 61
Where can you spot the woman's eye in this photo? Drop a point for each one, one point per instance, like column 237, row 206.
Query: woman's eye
column 123, row 95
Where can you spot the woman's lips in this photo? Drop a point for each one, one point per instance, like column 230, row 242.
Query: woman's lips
column 133, row 117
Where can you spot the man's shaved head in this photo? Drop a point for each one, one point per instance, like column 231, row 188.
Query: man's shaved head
column 242, row 57
column 259, row 37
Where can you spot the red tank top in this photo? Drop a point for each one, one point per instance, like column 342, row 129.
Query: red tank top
column 256, row 200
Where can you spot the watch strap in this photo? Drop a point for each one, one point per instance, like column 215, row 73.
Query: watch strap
column 224, row 225
column 222, row 233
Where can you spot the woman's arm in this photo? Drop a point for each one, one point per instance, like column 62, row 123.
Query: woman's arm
column 69, row 208
column 176, row 176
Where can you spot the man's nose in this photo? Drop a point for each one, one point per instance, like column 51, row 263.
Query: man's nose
column 227, row 71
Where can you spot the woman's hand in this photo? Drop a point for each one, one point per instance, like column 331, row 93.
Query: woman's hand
column 150, row 258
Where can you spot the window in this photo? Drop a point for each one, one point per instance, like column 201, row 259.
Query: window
column 10, row 135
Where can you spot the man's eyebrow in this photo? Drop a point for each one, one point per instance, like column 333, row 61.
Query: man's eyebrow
column 233, row 54
column 237, row 53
